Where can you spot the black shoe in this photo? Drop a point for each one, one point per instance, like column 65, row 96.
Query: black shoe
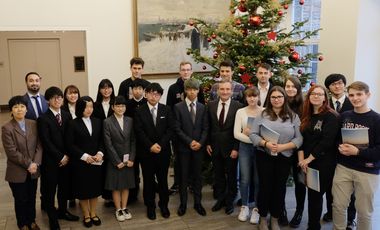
column 296, row 220
column 72, row 203
column 87, row 222
column 181, row 210
column 96, row 221
column 54, row 225
column 217, row 206
column 283, row 218
column 165, row 213
column 68, row 216
column 200, row 209
column 151, row 213
column 229, row 209
column 327, row 217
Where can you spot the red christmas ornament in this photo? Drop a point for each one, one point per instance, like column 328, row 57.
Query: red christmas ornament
column 204, row 67
column 262, row 43
column 280, row 13
column 299, row 71
column 242, row 7
column 286, row 6
column 255, row 20
column 272, row 35
column 213, row 36
column 242, row 68
column 302, row 2
column 238, row 22
column 215, row 56
column 245, row 78
column 191, row 23
column 294, row 57
column 209, row 39
column 320, row 58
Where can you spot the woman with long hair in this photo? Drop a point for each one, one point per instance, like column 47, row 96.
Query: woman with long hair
column 104, row 99
column 319, row 127
column 71, row 95
column 274, row 156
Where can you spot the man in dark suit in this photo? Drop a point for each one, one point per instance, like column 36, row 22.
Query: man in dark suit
column 263, row 75
column 223, row 147
column 154, row 129
column 37, row 104
column 191, row 128
column 54, row 169
column 336, row 84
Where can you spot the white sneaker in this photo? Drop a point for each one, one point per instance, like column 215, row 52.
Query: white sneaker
column 244, row 213
column 255, row 216
column 119, row 215
column 127, row 214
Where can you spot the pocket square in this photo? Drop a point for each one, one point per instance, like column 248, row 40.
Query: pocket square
column 162, row 117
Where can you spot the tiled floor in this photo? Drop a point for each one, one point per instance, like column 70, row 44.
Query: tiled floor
column 191, row 220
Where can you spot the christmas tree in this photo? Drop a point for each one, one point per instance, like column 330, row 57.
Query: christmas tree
column 252, row 35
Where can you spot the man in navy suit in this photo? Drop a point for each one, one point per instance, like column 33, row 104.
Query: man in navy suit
column 223, row 147
column 37, row 104
column 191, row 128
column 154, row 129
column 54, row 169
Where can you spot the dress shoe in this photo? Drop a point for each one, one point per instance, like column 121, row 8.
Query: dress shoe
column 87, row 222
column 200, row 209
column 296, row 220
column 217, row 206
column 96, row 220
column 165, row 213
column 34, row 226
column 229, row 209
column 68, row 216
column 151, row 213
column 181, row 210
column 327, row 217
column 283, row 218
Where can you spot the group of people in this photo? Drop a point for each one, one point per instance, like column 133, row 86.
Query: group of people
column 254, row 136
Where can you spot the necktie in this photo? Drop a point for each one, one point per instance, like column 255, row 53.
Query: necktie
column 39, row 110
column 337, row 107
column 59, row 119
column 221, row 115
column 192, row 112
column 154, row 115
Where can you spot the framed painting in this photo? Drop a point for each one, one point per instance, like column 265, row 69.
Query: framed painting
column 163, row 33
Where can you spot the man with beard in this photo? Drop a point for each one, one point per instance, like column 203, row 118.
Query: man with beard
column 37, row 104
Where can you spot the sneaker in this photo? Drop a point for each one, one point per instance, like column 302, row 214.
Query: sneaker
column 351, row 225
column 255, row 216
column 127, row 214
column 244, row 213
column 119, row 215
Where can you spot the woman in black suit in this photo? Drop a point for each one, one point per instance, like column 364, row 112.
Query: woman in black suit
column 85, row 143
column 70, row 98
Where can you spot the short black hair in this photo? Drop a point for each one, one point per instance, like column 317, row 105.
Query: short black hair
column 227, row 63
column 137, row 61
column 265, row 66
column 53, row 91
column 16, row 100
column 80, row 106
column 138, row 83
column 119, row 100
column 333, row 78
column 154, row 87
column 31, row 73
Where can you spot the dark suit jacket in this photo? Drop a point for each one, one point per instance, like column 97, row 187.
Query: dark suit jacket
column 30, row 113
column 222, row 140
column 185, row 130
column 53, row 137
column 147, row 134
column 21, row 149
column 345, row 107
column 99, row 111
column 263, row 103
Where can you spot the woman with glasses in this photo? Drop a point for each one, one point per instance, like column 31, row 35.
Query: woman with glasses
column 275, row 133
column 319, row 127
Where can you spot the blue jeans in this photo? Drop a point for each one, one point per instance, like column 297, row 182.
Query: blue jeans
column 248, row 172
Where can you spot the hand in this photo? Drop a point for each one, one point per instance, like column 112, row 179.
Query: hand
column 304, row 164
column 234, row 154
column 156, row 148
column 90, row 160
column 195, row 145
column 64, row 161
column 32, row 168
column 209, row 149
column 120, row 165
column 348, row 150
column 246, row 131
column 129, row 164
column 272, row 147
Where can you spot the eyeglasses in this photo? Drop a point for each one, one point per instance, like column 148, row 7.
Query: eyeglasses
column 317, row 94
column 276, row 97
column 57, row 98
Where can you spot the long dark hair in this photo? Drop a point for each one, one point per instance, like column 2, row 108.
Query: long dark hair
column 296, row 102
column 102, row 84
column 285, row 113
column 308, row 109
column 69, row 89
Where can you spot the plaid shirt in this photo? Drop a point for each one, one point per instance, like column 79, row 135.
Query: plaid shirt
column 237, row 91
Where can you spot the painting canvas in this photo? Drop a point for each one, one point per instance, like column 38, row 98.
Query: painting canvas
column 164, row 34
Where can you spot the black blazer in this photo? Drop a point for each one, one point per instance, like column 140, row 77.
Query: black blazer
column 99, row 111
column 147, row 134
column 345, row 107
column 222, row 140
column 30, row 113
column 185, row 130
column 52, row 137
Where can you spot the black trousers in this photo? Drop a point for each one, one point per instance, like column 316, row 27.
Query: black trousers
column 155, row 166
column 273, row 173
column 300, row 188
column 225, row 174
column 191, row 170
column 24, row 195
column 133, row 192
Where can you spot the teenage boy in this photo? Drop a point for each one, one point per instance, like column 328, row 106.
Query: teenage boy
column 263, row 74
column 191, row 127
column 358, row 167
column 55, row 175
column 154, row 129
column 137, row 68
